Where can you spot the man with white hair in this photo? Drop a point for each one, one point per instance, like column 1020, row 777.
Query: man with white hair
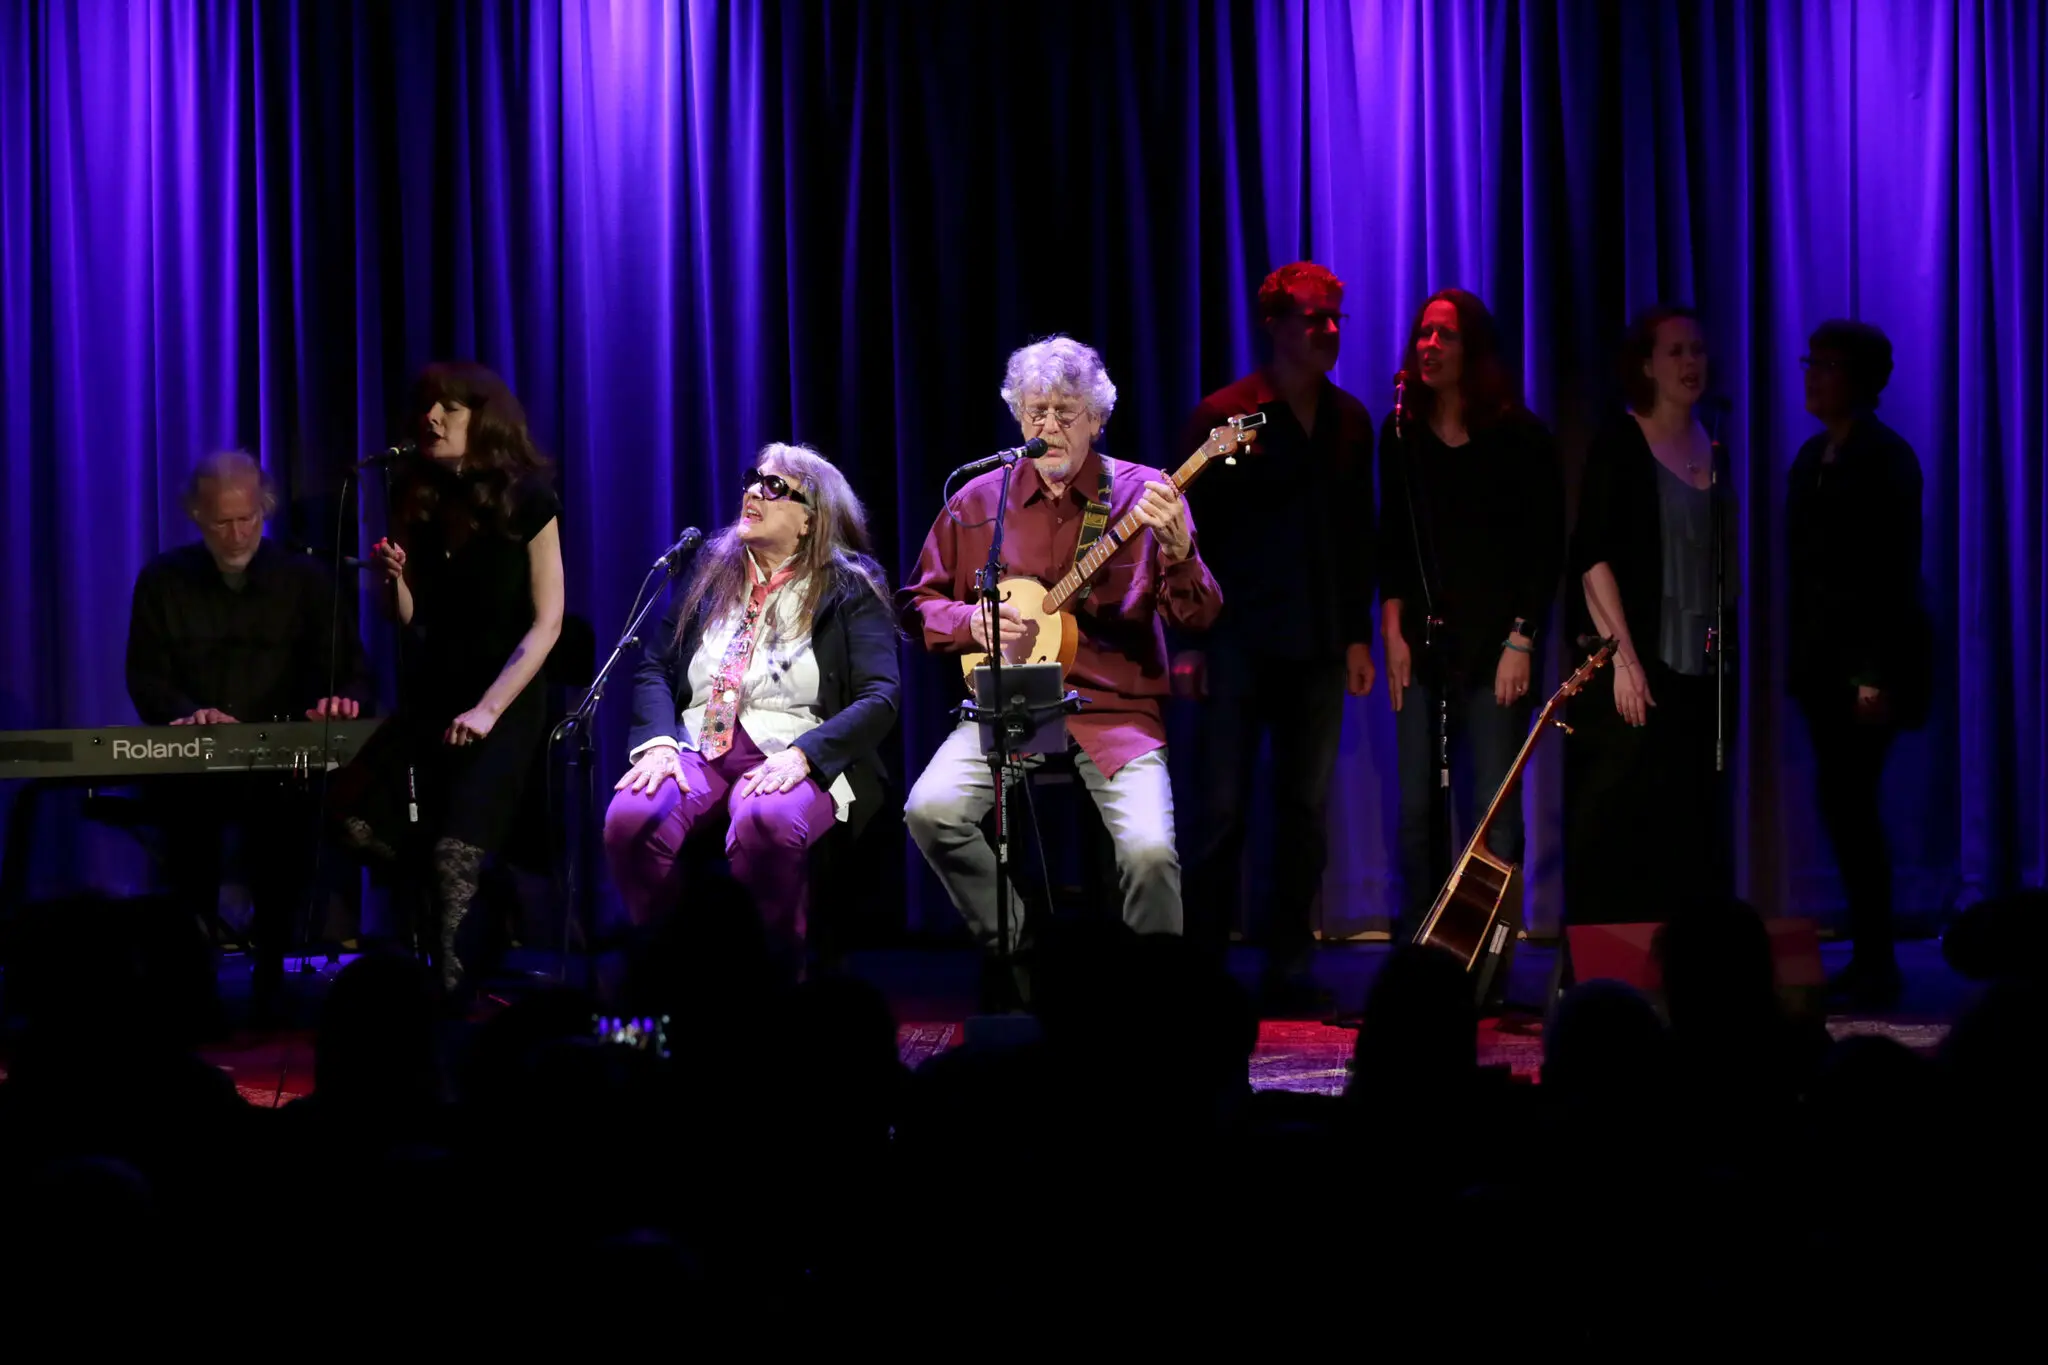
column 1059, row 392
column 237, row 629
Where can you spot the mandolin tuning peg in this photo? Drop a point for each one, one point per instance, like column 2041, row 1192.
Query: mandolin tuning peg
column 1562, row 726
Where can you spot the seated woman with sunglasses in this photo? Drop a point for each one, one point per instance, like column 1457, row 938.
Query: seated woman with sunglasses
column 759, row 705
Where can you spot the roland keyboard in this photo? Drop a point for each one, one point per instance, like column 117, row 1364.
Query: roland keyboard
column 291, row 746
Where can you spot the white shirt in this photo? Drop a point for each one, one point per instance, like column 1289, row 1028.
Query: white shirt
column 779, row 694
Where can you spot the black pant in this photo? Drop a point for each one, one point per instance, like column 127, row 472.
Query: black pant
column 1848, row 758
column 1646, row 815
column 1484, row 739
column 275, row 823
column 1300, row 707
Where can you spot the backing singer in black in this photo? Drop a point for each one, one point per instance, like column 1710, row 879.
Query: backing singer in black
column 1295, row 634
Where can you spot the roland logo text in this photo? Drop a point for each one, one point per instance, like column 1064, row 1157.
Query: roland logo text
column 155, row 748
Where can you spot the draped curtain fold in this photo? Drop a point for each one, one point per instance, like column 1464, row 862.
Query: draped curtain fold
column 683, row 229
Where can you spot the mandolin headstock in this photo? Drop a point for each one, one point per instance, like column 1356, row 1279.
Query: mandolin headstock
column 1223, row 443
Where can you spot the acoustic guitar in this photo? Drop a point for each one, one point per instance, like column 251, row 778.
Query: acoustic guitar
column 1051, row 634
column 1476, row 915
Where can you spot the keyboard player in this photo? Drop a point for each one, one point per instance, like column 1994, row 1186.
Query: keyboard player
column 230, row 630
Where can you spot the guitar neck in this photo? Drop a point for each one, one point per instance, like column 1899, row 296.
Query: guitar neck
column 1112, row 540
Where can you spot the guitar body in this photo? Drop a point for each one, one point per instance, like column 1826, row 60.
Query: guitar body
column 1477, row 918
column 1050, row 637
column 1478, row 914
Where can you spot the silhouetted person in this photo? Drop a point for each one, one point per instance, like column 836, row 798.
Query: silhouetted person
column 1994, row 939
column 1420, row 1031
column 376, row 1054
column 1736, row 1049
column 1861, row 659
column 1604, row 1047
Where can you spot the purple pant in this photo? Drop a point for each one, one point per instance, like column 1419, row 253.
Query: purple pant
column 766, row 838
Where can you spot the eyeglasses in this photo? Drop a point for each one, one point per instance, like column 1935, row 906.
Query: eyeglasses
column 1446, row 336
column 773, row 487
column 1821, row 364
column 1066, row 417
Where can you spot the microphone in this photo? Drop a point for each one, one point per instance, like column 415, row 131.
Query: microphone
column 397, row 452
column 672, row 558
column 1030, row 450
column 1400, row 404
column 1717, row 406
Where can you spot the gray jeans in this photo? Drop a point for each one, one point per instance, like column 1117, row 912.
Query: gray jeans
column 946, row 807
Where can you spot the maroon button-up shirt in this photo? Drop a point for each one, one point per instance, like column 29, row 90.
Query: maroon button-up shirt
column 1121, row 665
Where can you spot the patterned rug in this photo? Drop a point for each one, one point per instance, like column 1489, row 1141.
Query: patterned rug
column 1314, row 1057
column 1292, row 1055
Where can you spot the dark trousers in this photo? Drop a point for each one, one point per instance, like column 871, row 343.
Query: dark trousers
column 274, row 822
column 1848, row 758
column 1485, row 738
column 1645, row 813
column 1299, row 707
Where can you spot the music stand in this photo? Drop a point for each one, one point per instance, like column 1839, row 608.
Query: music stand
column 1021, row 711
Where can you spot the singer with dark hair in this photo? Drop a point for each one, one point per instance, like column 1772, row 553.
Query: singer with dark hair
column 1296, row 635
column 1472, row 545
column 472, row 574
column 1861, row 647
column 760, row 705
column 1059, row 391
column 1644, row 800
column 237, row 629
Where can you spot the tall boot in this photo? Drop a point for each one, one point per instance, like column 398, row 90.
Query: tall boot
column 456, row 868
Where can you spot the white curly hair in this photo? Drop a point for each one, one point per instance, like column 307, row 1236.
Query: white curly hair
column 1062, row 365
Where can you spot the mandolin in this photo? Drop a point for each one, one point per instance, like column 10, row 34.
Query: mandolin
column 1477, row 914
column 1051, row 634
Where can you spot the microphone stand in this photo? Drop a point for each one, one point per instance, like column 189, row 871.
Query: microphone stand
column 987, row 579
column 1717, row 640
column 1434, row 644
column 408, row 894
column 579, row 899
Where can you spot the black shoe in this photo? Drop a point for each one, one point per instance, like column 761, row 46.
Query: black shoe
column 1861, row 986
column 1294, row 997
column 1005, row 985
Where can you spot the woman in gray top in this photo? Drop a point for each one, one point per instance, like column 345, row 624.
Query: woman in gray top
column 1644, row 825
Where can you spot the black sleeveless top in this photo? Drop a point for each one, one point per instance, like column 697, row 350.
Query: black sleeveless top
column 471, row 584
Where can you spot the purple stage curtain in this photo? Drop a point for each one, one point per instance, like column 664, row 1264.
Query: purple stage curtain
column 683, row 229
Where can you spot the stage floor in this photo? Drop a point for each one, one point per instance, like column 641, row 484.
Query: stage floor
column 933, row 993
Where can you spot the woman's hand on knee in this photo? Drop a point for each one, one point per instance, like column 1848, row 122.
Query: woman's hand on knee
column 777, row 774
column 653, row 768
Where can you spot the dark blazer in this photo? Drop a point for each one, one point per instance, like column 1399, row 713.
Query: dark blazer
column 854, row 639
column 1852, row 536
column 1621, row 525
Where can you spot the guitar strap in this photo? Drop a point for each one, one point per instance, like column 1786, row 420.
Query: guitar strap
column 1096, row 519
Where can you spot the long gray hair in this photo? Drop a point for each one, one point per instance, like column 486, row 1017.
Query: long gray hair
column 833, row 554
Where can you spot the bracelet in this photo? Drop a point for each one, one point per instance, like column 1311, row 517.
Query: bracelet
column 1519, row 649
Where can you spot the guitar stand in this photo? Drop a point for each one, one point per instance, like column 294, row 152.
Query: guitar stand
column 1016, row 728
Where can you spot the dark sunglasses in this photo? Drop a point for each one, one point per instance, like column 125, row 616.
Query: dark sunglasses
column 773, row 487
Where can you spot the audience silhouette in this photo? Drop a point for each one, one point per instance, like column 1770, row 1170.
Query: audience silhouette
column 1705, row 1163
